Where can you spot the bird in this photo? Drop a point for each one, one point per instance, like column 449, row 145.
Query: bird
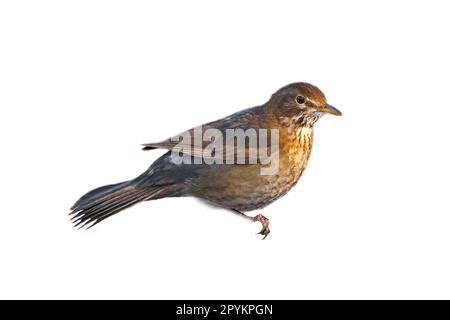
column 240, row 187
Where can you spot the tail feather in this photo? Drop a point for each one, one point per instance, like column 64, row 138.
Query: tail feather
column 91, row 213
column 126, row 205
column 106, row 201
column 98, row 193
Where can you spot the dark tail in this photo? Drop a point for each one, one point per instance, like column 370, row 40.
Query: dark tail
column 106, row 201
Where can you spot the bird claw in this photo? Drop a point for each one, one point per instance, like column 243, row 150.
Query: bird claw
column 265, row 225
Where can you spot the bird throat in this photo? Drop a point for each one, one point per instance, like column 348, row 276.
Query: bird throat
column 307, row 119
column 301, row 120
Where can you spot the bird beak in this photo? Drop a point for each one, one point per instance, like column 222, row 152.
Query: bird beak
column 331, row 110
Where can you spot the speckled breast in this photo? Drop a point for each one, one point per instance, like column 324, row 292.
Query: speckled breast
column 244, row 188
column 294, row 156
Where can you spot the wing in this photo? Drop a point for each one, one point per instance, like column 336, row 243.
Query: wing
column 246, row 119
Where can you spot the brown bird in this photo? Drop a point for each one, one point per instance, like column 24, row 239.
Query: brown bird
column 289, row 115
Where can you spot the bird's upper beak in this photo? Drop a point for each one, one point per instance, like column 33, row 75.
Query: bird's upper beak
column 331, row 110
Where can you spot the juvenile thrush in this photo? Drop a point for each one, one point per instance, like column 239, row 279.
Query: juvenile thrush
column 292, row 112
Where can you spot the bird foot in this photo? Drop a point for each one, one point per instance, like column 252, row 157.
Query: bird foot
column 265, row 225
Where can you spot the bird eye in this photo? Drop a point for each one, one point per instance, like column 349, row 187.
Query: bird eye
column 300, row 99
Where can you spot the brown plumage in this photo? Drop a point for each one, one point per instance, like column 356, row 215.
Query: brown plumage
column 292, row 111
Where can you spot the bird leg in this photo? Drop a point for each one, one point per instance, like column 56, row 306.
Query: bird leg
column 263, row 220
column 265, row 225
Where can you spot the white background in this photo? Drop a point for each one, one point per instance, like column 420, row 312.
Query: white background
column 83, row 83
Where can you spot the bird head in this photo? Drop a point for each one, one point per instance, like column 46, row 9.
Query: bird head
column 300, row 103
